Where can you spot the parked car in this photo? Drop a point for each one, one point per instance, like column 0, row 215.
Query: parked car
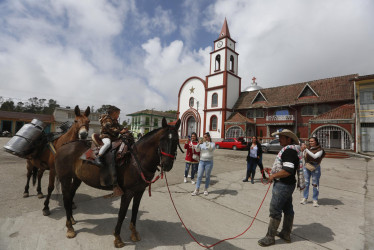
column 273, row 146
column 232, row 143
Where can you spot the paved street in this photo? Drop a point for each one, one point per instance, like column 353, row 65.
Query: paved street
column 344, row 220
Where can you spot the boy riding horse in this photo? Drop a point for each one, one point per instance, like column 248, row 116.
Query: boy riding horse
column 110, row 131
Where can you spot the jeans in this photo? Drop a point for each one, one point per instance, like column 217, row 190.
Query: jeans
column 281, row 201
column 193, row 169
column 206, row 166
column 251, row 167
column 316, row 174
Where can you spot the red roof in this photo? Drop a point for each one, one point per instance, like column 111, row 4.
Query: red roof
column 345, row 111
column 239, row 118
column 332, row 89
column 25, row 117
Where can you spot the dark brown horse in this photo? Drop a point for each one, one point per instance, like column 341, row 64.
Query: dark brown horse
column 157, row 148
column 46, row 160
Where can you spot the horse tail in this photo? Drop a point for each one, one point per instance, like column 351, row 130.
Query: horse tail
column 34, row 175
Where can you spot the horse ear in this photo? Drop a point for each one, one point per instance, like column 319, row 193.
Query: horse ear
column 87, row 112
column 178, row 124
column 164, row 123
column 77, row 111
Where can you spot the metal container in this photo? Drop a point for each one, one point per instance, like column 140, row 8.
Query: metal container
column 23, row 143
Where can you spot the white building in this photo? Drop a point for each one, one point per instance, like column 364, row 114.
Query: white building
column 204, row 105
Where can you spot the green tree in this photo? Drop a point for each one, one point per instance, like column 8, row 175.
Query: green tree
column 52, row 105
column 7, row 106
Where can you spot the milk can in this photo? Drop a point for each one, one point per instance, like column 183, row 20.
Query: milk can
column 23, row 143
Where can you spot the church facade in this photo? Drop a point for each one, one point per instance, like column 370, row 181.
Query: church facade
column 323, row 108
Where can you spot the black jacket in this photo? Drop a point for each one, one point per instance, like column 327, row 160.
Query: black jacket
column 259, row 150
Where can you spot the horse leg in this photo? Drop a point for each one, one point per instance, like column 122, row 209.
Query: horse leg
column 125, row 202
column 39, row 187
column 51, row 187
column 135, row 208
column 66, row 193
column 74, row 186
column 29, row 168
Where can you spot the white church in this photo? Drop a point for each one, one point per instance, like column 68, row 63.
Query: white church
column 204, row 105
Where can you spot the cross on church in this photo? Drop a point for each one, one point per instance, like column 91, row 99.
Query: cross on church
column 254, row 79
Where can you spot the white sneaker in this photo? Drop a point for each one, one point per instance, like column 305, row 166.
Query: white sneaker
column 196, row 192
column 303, row 201
column 206, row 192
column 185, row 179
column 192, row 182
column 315, row 203
column 189, row 176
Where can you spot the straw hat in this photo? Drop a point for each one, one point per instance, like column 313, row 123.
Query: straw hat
column 288, row 133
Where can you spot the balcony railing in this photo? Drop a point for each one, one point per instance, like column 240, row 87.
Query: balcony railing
column 280, row 118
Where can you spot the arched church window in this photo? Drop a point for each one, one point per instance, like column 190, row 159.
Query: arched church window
column 213, row 123
column 218, row 63
column 191, row 102
column 232, row 63
column 215, row 100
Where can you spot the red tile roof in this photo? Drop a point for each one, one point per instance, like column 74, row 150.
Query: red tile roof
column 345, row 111
column 239, row 118
column 328, row 90
column 25, row 117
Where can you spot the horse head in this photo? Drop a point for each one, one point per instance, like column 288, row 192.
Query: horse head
column 168, row 144
column 82, row 122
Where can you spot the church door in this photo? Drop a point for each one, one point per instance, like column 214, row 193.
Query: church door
column 191, row 125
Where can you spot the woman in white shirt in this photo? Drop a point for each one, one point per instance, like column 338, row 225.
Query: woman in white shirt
column 206, row 148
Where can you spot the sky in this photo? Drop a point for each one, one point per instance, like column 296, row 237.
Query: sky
column 136, row 54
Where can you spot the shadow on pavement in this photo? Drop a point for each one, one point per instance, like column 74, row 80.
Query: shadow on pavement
column 153, row 233
column 329, row 202
column 315, row 232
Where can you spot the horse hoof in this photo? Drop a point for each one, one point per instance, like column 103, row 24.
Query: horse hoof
column 73, row 206
column 118, row 243
column 40, row 196
column 135, row 237
column 25, row 195
column 70, row 234
column 46, row 212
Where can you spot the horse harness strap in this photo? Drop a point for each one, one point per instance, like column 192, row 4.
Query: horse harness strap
column 52, row 148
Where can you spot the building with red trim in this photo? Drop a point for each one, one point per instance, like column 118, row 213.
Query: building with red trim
column 323, row 108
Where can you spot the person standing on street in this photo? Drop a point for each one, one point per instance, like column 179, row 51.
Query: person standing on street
column 192, row 157
column 313, row 155
column 206, row 148
column 253, row 157
column 283, row 174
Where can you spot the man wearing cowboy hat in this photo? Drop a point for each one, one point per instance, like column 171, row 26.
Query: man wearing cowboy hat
column 283, row 175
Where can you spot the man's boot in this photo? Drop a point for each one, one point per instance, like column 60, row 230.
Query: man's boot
column 269, row 239
column 285, row 234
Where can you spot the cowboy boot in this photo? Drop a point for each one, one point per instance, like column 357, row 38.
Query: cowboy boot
column 269, row 239
column 285, row 234
column 99, row 161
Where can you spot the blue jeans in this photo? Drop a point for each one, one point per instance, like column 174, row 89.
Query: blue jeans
column 316, row 174
column 251, row 167
column 193, row 169
column 281, row 201
column 206, row 166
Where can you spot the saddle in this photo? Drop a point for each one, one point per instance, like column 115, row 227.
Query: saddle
column 118, row 146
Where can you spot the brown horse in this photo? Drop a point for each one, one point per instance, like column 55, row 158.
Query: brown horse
column 157, row 148
column 46, row 160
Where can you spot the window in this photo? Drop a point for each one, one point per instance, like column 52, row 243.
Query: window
column 191, row 102
column 259, row 98
column 258, row 113
column 251, row 113
column 147, row 121
column 307, row 92
column 218, row 63
column 366, row 97
column 234, row 132
column 282, row 112
column 323, row 108
column 215, row 100
column 213, row 123
column 71, row 115
column 307, row 110
column 232, row 63
column 155, row 122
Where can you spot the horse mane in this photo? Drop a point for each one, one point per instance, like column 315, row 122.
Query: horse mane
column 147, row 135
